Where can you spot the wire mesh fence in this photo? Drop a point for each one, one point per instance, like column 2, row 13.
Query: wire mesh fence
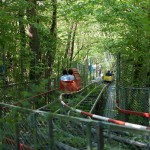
column 25, row 129
column 132, row 71
column 29, row 94
column 133, row 88
column 137, row 100
column 11, row 93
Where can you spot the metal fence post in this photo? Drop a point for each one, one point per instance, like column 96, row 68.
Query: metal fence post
column 148, row 145
column 86, row 71
column 100, row 137
column 1, row 128
column 118, row 78
column 145, row 107
column 149, row 103
column 126, row 98
column 51, row 134
column 17, row 132
column 34, row 126
column 90, row 67
column 89, row 142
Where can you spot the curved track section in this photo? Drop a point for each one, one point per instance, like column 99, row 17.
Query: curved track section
column 90, row 100
column 102, row 118
column 82, row 99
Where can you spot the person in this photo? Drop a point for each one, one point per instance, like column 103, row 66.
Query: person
column 90, row 68
column 99, row 70
column 112, row 73
column 70, row 75
column 108, row 73
column 64, row 77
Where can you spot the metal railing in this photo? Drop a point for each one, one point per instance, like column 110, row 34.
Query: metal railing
column 134, row 99
column 39, row 130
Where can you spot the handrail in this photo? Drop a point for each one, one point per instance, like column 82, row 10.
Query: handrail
column 110, row 125
column 35, row 96
column 130, row 112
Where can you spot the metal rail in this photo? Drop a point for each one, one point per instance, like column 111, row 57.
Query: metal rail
column 70, row 98
column 94, row 116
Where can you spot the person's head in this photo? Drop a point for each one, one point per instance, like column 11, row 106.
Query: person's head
column 65, row 72
column 70, row 71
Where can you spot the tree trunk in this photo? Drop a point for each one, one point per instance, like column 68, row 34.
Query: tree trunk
column 22, row 42
column 53, row 38
column 72, row 42
column 34, row 40
column 68, row 41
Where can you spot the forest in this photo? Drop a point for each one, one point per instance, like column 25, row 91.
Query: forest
column 40, row 38
column 38, row 35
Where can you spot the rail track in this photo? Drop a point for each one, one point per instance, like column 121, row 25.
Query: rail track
column 85, row 99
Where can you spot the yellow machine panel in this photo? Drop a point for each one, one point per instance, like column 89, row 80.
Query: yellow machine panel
column 108, row 78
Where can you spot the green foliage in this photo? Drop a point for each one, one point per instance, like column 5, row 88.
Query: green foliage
column 74, row 141
column 125, row 24
column 102, row 26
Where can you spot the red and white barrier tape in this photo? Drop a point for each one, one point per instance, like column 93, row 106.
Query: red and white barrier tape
column 119, row 122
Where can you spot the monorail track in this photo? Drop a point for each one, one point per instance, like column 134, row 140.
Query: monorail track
column 83, row 99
